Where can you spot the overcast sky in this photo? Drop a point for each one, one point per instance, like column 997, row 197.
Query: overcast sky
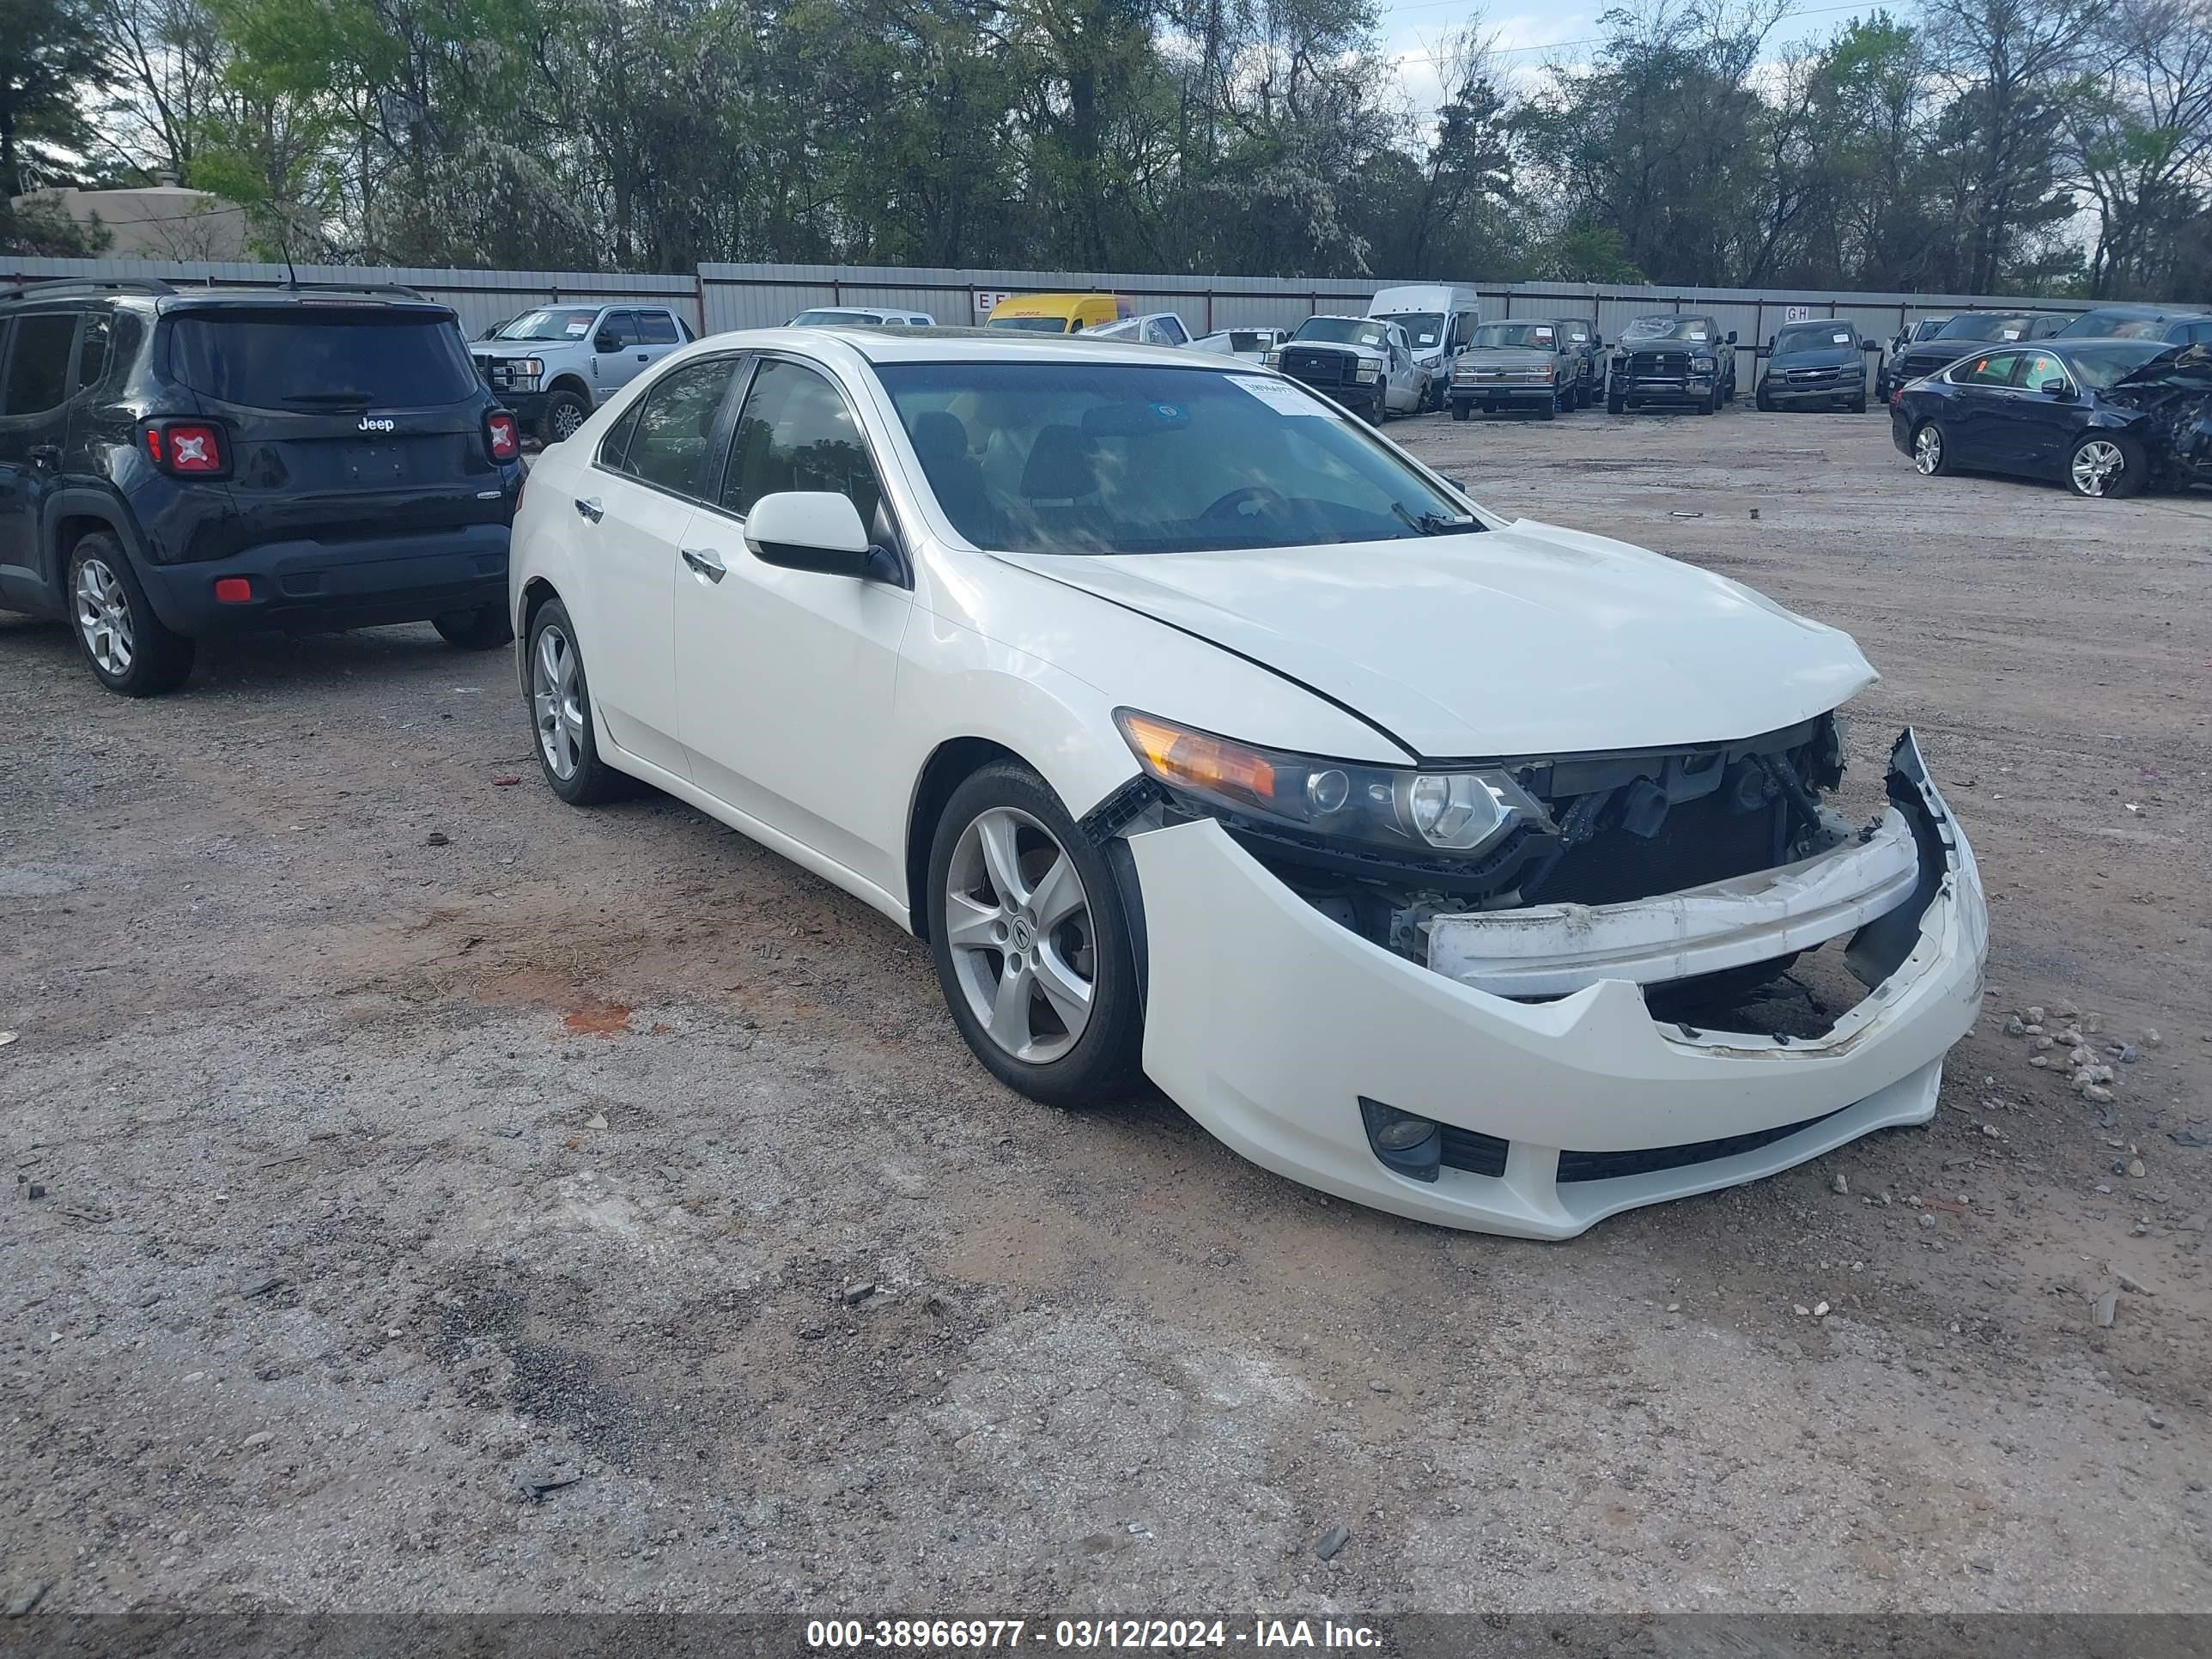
column 1530, row 36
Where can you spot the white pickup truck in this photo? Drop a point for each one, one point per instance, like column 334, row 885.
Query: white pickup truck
column 554, row 366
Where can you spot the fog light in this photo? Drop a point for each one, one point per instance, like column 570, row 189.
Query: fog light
column 1411, row 1145
column 233, row 590
column 1326, row 792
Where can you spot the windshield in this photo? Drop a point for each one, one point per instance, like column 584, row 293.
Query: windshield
column 1030, row 325
column 561, row 325
column 1513, row 334
column 1343, row 331
column 306, row 358
column 1426, row 328
column 1669, row 328
column 2108, row 366
column 1987, row 325
column 1814, row 337
column 1127, row 457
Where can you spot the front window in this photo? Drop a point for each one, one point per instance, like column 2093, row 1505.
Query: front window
column 1691, row 330
column 1115, row 458
column 1426, row 328
column 1344, row 331
column 1540, row 335
column 561, row 323
column 1031, row 324
column 1988, row 326
column 311, row 357
column 796, row 433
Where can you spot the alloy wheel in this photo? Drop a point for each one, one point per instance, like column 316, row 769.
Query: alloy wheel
column 103, row 617
column 1928, row 451
column 1017, row 923
column 556, row 701
column 567, row 422
column 2098, row 465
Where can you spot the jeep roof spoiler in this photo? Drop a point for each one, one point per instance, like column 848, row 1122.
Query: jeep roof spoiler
column 63, row 288
column 375, row 290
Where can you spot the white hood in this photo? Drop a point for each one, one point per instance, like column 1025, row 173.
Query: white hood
column 1527, row 640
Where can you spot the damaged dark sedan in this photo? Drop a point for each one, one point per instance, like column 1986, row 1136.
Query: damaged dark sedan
column 2106, row 417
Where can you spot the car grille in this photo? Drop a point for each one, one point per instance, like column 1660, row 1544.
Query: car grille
column 1320, row 368
column 1472, row 1151
column 1503, row 377
column 1660, row 364
column 1795, row 376
column 502, row 374
column 1642, row 1160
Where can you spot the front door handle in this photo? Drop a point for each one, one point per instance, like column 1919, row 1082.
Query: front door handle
column 590, row 508
column 706, row 563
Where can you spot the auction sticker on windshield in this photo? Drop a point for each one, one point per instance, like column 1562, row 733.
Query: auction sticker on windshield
column 1282, row 398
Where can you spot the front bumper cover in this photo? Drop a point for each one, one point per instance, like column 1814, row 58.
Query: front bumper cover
column 1268, row 1022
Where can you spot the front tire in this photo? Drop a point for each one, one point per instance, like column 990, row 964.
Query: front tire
column 1615, row 403
column 561, row 722
column 1031, row 940
column 2106, row 464
column 1461, row 409
column 128, row 649
column 565, row 415
column 483, row 629
column 1931, row 456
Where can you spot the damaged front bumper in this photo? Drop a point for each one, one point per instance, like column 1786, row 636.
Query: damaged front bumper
column 1272, row 1025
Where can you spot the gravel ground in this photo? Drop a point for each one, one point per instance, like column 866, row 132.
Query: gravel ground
column 411, row 1144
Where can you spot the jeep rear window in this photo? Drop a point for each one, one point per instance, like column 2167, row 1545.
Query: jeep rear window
column 307, row 357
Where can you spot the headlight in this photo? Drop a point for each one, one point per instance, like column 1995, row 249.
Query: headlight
column 1275, row 358
column 533, row 367
column 1405, row 811
column 1704, row 365
column 1550, row 371
column 1368, row 372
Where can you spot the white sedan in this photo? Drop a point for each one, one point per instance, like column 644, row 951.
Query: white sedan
column 1202, row 731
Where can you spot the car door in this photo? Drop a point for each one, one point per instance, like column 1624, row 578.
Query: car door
column 34, row 384
column 640, row 492
column 1979, row 408
column 785, row 678
column 2043, row 423
column 658, row 334
column 618, row 354
column 1405, row 376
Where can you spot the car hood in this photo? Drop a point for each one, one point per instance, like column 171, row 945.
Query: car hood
column 2176, row 365
column 499, row 351
column 1529, row 639
column 1821, row 357
column 1507, row 357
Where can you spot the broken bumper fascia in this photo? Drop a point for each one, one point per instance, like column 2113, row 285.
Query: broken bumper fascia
column 1268, row 1022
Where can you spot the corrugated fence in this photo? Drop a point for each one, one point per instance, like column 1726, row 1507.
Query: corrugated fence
column 717, row 297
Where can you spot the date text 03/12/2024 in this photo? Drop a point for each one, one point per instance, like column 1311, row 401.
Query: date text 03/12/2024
column 1087, row 1635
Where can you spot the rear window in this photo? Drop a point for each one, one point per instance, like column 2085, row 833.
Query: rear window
column 310, row 357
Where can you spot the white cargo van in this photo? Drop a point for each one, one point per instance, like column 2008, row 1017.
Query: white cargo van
column 1439, row 318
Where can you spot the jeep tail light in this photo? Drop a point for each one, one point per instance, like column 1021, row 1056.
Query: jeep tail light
column 186, row 449
column 501, row 436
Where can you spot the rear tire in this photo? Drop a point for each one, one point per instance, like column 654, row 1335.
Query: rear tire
column 128, row 649
column 483, row 629
column 1931, row 455
column 560, row 693
column 1047, row 997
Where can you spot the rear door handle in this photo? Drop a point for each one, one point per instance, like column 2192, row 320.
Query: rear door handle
column 706, row 563
column 590, row 508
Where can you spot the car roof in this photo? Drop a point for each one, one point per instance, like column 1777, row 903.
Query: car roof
column 947, row 345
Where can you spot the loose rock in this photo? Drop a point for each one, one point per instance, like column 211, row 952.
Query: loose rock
column 2104, row 1307
column 437, row 838
column 1332, row 1541
column 2128, row 1282
column 2015, row 1026
column 597, row 1120
column 1926, row 1219
column 1841, row 1185
column 2035, row 1017
column 2151, row 1038
column 30, row 1598
column 2097, row 1093
column 856, row 1294
column 2063, row 1009
column 255, row 1442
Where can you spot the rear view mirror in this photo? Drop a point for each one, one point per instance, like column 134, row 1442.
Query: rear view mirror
column 815, row 530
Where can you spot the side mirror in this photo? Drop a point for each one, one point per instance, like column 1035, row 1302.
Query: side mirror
column 604, row 342
column 1731, row 337
column 815, row 530
column 2057, row 389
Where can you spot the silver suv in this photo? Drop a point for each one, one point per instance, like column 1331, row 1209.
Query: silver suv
column 554, row 366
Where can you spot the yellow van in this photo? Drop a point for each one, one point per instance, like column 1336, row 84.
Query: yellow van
column 1056, row 313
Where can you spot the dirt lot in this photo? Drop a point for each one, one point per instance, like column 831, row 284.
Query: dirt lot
column 406, row 1137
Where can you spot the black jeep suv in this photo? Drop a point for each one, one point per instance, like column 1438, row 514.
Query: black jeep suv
column 178, row 463
column 1686, row 360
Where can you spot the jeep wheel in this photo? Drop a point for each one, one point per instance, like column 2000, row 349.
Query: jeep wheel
column 565, row 413
column 127, row 647
column 483, row 629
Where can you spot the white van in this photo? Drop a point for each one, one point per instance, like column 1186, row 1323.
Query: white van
column 1439, row 318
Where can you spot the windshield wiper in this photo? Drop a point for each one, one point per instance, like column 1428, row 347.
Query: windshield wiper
column 1436, row 523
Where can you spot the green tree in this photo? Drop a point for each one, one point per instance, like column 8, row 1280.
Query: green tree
column 50, row 67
